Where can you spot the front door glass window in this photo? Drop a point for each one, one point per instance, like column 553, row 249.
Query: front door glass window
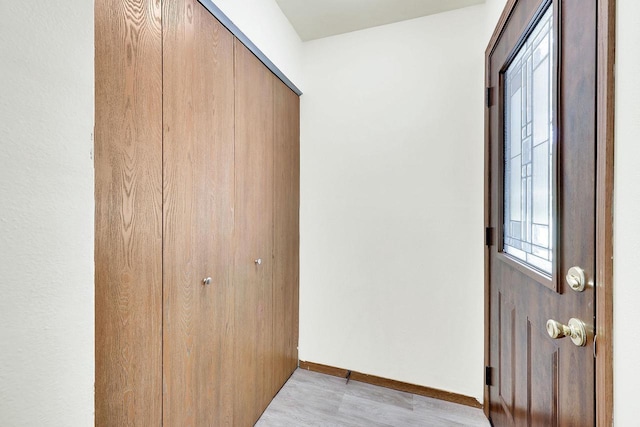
column 529, row 149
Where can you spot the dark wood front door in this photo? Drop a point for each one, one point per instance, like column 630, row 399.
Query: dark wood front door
column 540, row 213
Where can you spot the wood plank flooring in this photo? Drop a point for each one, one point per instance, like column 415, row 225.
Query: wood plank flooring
column 313, row 399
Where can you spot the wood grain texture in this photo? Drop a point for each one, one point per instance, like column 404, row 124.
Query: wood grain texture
column 167, row 83
column 128, row 213
column 604, row 211
column 198, row 217
column 253, row 237
column 392, row 384
column 286, row 231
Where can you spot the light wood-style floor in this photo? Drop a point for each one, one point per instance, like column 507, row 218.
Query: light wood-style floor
column 312, row 399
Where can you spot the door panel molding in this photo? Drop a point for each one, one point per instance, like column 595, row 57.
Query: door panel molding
column 540, row 348
column 507, row 329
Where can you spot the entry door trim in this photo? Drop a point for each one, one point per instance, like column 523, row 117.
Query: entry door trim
column 605, row 112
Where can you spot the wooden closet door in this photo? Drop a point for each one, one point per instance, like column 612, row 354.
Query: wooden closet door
column 253, row 239
column 198, row 217
column 128, row 213
column 286, row 230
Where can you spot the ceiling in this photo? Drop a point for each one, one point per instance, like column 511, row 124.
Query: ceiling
column 314, row 19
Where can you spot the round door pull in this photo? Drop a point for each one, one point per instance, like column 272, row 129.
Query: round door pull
column 576, row 330
column 258, row 261
column 206, row 281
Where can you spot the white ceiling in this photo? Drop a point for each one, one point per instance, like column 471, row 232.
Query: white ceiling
column 314, row 19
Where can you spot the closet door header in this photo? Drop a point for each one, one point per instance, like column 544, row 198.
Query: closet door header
column 224, row 20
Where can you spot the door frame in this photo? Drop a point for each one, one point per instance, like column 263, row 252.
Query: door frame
column 605, row 116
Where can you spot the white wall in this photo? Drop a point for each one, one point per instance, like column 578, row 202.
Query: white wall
column 392, row 200
column 627, row 217
column 46, row 213
column 269, row 29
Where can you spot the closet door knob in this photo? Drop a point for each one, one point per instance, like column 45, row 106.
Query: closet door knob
column 206, row 280
column 258, row 261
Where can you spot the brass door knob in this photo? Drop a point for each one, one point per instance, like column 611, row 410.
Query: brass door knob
column 576, row 330
column 576, row 279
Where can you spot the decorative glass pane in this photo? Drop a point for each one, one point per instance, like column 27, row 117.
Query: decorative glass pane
column 528, row 150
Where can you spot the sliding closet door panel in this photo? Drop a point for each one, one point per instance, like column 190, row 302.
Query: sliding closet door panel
column 253, row 238
column 286, row 225
column 198, row 217
column 128, row 213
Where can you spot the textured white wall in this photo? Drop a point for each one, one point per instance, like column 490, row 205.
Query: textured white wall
column 46, row 213
column 269, row 29
column 392, row 200
column 626, row 348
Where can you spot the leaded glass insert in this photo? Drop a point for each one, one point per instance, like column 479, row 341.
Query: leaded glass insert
column 528, row 149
